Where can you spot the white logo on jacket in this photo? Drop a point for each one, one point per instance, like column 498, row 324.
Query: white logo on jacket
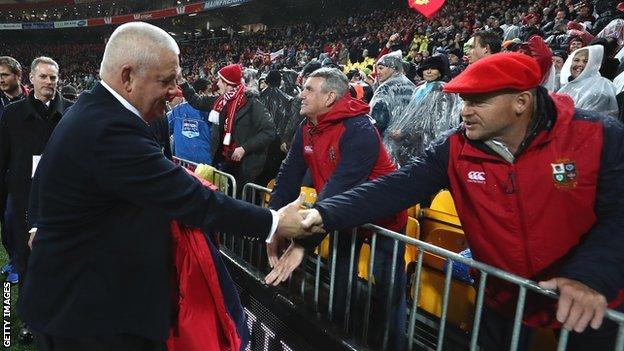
column 476, row 177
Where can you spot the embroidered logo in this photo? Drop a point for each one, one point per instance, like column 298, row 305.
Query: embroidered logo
column 476, row 177
column 564, row 173
column 332, row 154
column 308, row 149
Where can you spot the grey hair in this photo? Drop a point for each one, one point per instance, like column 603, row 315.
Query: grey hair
column 138, row 43
column 42, row 59
column 11, row 64
column 335, row 80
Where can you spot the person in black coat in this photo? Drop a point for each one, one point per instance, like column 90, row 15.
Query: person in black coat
column 279, row 105
column 25, row 128
column 243, row 153
column 102, row 201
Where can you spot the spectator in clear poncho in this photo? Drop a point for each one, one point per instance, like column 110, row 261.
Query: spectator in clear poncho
column 429, row 113
column 394, row 92
column 581, row 79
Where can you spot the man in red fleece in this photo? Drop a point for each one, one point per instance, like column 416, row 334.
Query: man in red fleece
column 338, row 144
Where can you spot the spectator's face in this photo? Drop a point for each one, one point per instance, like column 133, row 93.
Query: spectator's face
column 9, row 81
column 151, row 87
column 560, row 15
column 223, row 86
column 383, row 73
column 488, row 116
column 314, row 101
column 453, row 59
column 584, row 11
column 578, row 63
column 431, row 74
column 476, row 51
column 575, row 45
column 558, row 62
column 44, row 79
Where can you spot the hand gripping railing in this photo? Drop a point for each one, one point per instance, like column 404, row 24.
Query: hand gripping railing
column 250, row 193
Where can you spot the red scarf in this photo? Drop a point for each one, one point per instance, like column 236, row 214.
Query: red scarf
column 234, row 100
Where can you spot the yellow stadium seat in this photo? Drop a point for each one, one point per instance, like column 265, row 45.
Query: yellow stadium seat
column 443, row 202
column 461, row 304
column 412, row 230
column 267, row 196
column 310, row 196
column 414, row 211
column 452, row 240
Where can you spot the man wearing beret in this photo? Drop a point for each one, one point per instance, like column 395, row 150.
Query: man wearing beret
column 538, row 188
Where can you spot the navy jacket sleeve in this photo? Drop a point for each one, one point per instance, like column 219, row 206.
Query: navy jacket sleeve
column 598, row 261
column 202, row 103
column 290, row 176
column 389, row 194
column 128, row 162
column 359, row 150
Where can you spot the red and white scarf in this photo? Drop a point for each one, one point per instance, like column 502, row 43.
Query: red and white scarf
column 234, row 100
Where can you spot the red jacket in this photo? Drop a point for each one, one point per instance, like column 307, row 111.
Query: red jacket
column 343, row 150
column 557, row 210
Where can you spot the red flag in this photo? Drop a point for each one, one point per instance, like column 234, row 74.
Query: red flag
column 428, row 8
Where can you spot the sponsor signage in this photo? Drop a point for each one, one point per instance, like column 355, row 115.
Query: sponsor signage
column 70, row 24
column 10, row 26
column 116, row 20
column 38, row 25
column 215, row 4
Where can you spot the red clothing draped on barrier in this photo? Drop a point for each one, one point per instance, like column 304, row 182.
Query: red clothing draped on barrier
column 202, row 321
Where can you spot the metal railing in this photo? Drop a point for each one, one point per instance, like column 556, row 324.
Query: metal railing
column 485, row 272
column 252, row 250
column 225, row 182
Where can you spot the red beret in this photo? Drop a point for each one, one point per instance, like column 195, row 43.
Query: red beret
column 497, row 72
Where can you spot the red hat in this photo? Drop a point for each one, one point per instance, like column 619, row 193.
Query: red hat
column 575, row 25
column 232, row 74
column 529, row 17
column 497, row 72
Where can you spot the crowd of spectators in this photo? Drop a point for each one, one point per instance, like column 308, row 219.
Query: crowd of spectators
column 356, row 37
column 93, row 9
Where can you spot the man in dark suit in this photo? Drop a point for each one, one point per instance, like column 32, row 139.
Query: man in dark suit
column 25, row 128
column 102, row 202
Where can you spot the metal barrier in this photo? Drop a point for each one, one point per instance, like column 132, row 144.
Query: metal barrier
column 250, row 193
column 252, row 251
column 225, row 182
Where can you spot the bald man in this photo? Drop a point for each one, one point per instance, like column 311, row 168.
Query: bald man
column 102, row 201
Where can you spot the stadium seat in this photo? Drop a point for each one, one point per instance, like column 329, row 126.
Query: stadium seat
column 412, row 230
column 452, row 240
column 461, row 304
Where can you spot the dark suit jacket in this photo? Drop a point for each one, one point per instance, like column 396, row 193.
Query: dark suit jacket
column 24, row 132
column 104, row 196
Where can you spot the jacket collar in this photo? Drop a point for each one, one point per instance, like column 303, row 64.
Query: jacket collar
column 58, row 105
column 553, row 115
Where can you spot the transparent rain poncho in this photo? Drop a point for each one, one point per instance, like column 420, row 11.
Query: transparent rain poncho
column 390, row 100
column 590, row 91
column 429, row 113
column 615, row 29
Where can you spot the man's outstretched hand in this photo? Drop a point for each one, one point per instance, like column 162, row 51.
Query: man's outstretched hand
column 289, row 225
column 579, row 305
column 283, row 268
column 312, row 222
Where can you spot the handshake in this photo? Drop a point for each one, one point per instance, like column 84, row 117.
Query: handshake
column 293, row 223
